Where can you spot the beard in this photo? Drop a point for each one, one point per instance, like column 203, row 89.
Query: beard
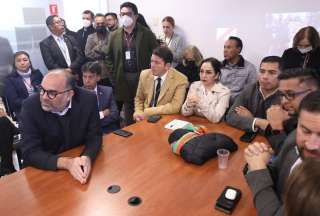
column 306, row 153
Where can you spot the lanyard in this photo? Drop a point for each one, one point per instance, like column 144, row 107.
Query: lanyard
column 128, row 39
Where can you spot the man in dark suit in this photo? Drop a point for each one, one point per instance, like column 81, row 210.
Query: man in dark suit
column 108, row 111
column 267, row 182
column 59, row 50
column 59, row 118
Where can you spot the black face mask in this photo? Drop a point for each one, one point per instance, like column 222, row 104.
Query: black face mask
column 190, row 63
column 101, row 29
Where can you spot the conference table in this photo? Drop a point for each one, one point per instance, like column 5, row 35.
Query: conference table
column 142, row 165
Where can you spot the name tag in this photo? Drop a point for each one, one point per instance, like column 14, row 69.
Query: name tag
column 128, row 56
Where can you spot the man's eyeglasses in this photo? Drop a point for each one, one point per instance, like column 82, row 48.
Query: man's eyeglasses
column 293, row 95
column 52, row 94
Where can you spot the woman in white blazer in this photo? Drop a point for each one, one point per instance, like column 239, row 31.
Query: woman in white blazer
column 207, row 97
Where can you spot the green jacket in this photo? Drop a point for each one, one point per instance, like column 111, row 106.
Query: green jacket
column 145, row 42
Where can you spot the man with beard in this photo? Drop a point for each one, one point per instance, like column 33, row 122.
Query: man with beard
column 267, row 181
column 60, row 117
column 248, row 112
column 111, row 21
column 96, row 44
column 294, row 85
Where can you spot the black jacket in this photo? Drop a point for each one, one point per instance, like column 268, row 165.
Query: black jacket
column 45, row 134
column 293, row 58
column 82, row 36
column 15, row 90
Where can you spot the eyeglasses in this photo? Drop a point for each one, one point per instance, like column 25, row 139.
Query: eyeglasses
column 52, row 94
column 293, row 95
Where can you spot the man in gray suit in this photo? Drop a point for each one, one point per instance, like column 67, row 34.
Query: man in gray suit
column 248, row 112
column 267, row 181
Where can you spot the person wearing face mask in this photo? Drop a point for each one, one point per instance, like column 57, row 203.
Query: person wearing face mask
column 191, row 58
column 21, row 83
column 87, row 29
column 96, row 44
column 305, row 52
column 128, row 52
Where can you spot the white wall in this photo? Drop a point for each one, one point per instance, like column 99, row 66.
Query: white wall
column 72, row 11
column 266, row 27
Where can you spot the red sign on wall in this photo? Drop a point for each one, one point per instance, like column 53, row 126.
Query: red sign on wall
column 53, row 8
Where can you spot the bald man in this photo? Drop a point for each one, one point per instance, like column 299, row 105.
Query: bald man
column 60, row 117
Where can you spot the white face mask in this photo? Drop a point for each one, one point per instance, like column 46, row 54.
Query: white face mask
column 305, row 50
column 126, row 21
column 86, row 23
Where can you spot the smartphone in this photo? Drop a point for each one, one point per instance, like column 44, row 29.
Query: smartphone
column 228, row 199
column 154, row 118
column 248, row 136
column 122, row 133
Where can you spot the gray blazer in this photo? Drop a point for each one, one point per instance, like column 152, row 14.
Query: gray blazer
column 252, row 99
column 268, row 185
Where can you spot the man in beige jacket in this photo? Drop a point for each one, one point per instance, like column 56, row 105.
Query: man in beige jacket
column 161, row 89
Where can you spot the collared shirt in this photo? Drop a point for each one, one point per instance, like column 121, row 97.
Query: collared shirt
column 297, row 162
column 237, row 76
column 63, row 112
column 101, row 114
column 63, row 47
column 129, row 51
column 163, row 78
column 155, row 82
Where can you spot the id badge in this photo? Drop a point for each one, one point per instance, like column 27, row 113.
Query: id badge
column 128, row 56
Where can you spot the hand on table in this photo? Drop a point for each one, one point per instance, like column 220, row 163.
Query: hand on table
column 138, row 117
column 78, row 167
